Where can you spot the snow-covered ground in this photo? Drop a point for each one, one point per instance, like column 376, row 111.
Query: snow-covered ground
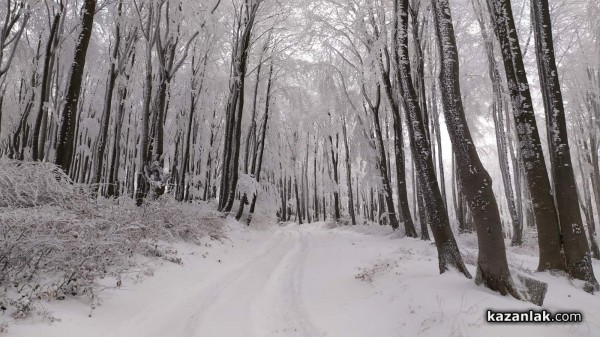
column 310, row 281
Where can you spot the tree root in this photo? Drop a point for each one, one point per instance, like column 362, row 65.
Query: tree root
column 528, row 289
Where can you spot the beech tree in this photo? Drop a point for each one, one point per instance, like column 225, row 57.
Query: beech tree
column 576, row 248
column 437, row 216
column 66, row 140
column 530, row 147
column 492, row 267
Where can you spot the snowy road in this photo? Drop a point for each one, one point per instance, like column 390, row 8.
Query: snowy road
column 300, row 281
column 255, row 289
column 262, row 298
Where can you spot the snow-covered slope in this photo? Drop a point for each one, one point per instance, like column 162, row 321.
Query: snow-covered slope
column 311, row 280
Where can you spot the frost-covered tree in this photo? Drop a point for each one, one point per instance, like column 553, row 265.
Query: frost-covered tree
column 576, row 248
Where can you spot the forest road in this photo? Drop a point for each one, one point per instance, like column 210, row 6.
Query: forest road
column 255, row 292
column 285, row 281
column 262, row 298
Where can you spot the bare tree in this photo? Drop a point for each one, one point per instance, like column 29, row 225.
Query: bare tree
column 437, row 216
column 576, row 248
column 66, row 141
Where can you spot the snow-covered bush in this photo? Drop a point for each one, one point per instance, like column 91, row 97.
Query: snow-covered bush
column 29, row 184
column 53, row 246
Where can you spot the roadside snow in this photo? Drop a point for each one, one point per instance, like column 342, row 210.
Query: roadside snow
column 312, row 280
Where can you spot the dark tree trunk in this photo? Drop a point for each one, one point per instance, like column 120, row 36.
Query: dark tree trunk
column 235, row 106
column 576, row 249
column 316, row 197
column 36, row 147
column 262, row 142
column 66, row 142
column 194, row 96
column 114, row 183
column 251, row 137
column 112, row 77
column 348, row 174
column 404, row 211
column 492, row 267
column 501, row 142
column 422, row 216
column 209, row 161
column 448, row 252
column 298, row 212
column 530, row 147
column 150, row 34
column 382, row 157
column 334, row 165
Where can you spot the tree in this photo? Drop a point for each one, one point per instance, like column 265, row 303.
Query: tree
column 502, row 140
column 448, row 253
column 150, row 34
column 576, row 249
column 235, row 104
column 66, row 141
column 11, row 32
column 38, row 142
column 530, row 147
column 492, row 267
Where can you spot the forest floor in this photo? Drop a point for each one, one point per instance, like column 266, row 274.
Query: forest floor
column 312, row 280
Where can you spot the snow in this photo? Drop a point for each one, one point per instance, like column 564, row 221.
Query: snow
column 312, row 280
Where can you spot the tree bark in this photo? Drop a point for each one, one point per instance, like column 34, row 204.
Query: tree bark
column 110, row 86
column 348, row 174
column 334, row 169
column 576, row 248
column 374, row 107
column 448, row 252
column 36, row 147
column 262, row 142
column 492, row 266
column 501, row 141
column 235, row 106
column 66, row 142
column 530, row 147
column 404, row 211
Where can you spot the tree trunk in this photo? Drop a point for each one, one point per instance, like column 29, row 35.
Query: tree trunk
column 316, row 197
column 448, row 252
column 42, row 108
column 576, row 249
column 348, row 174
column 235, row 106
column 334, row 168
column 194, row 96
column 492, row 267
column 530, row 147
column 66, row 142
column 501, row 141
column 262, row 142
column 150, row 35
column 404, row 211
column 298, row 212
column 382, row 158
column 112, row 76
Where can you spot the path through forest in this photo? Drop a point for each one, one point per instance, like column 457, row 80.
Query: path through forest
column 307, row 281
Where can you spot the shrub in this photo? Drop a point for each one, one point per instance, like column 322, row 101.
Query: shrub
column 58, row 245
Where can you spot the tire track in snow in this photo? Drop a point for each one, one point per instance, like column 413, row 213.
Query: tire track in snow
column 279, row 309
column 225, row 311
column 228, row 312
column 168, row 320
column 262, row 297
